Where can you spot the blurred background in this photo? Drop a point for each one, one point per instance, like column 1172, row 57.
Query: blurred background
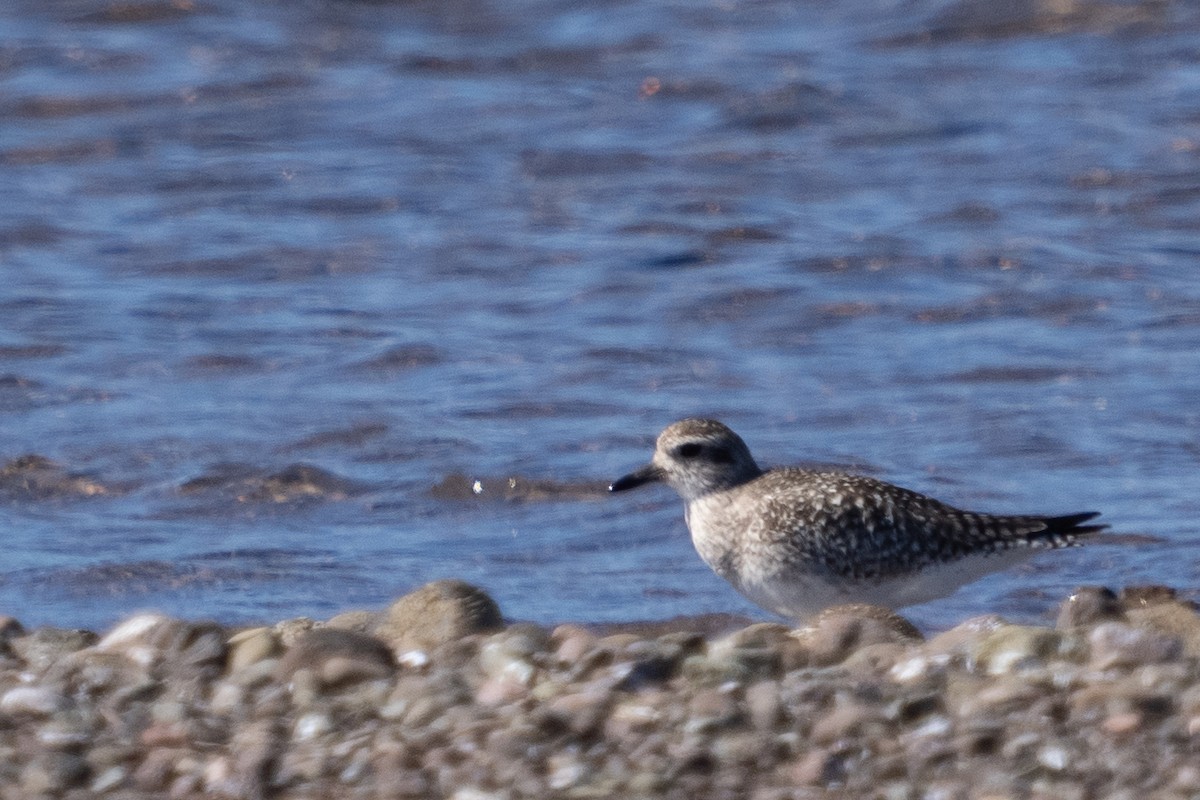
column 303, row 304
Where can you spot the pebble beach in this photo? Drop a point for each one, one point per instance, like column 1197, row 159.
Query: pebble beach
column 438, row 696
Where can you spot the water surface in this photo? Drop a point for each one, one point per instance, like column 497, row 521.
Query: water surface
column 282, row 281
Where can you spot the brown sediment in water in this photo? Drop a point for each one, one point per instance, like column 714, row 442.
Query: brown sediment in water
column 437, row 697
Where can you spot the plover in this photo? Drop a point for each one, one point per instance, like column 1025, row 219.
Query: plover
column 796, row 541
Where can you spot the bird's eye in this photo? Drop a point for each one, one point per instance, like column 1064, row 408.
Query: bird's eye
column 690, row 450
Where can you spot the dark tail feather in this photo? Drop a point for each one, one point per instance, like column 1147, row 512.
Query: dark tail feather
column 1070, row 525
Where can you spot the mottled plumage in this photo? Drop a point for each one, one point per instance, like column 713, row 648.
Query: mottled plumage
column 796, row 541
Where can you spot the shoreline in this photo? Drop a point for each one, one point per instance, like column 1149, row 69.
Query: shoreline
column 436, row 696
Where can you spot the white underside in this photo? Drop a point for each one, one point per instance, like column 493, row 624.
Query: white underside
column 798, row 595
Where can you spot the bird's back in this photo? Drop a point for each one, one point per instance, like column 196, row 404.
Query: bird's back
column 857, row 528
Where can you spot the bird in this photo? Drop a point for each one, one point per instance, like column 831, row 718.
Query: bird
column 796, row 541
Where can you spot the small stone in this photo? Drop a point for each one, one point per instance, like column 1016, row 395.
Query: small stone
column 878, row 658
column 413, row 659
column 251, row 646
column 10, row 627
column 1012, row 647
column 65, row 731
column 1115, row 644
column 1121, row 724
column 165, row 734
column 960, row 641
column 818, row 766
column 290, row 631
column 473, row 793
column 311, row 726
column 32, row 700
column 1089, row 605
column 845, row 719
column 436, row 613
column 156, row 768
column 571, row 644
column 635, row 714
column 131, row 632
column 337, row 656
column 507, row 656
column 1172, row 618
column 1054, row 756
column 564, row 770
column 340, row 670
column 52, row 772
column 764, row 705
column 185, row 647
column 496, row 691
column 110, row 778
column 710, row 709
column 45, row 646
column 227, row 698
column 359, row 621
column 1187, row 778
column 1003, row 695
column 761, row 634
column 839, row 631
column 581, row 712
column 168, row 710
column 655, row 662
column 1144, row 596
column 255, row 674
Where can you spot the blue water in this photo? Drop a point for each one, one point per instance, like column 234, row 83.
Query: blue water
column 402, row 242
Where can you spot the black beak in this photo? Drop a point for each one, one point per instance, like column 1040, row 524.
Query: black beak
column 647, row 474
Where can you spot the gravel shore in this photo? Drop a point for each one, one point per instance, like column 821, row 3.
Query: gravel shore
column 437, row 697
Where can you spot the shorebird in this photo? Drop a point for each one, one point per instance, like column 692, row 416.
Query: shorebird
column 796, row 541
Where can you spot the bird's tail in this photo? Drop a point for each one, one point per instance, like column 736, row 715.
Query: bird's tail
column 1063, row 531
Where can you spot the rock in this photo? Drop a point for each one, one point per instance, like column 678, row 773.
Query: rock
column 986, row 709
column 149, row 639
column 294, row 483
column 650, row 662
column 38, row 701
column 134, row 631
column 1172, row 618
column 506, row 660
column 773, row 646
column 1123, row 723
column 1013, row 647
column 250, row 647
column 358, row 621
column 436, row 613
column 839, row 631
column 878, row 658
column 337, row 657
column 764, row 705
column 571, row 644
column 110, row 778
column 290, row 630
column 1143, row 596
column 846, row 718
column 53, row 772
column 1117, row 645
column 711, row 709
column 581, row 712
column 10, row 628
column 957, row 642
column 1006, row 694
column 35, row 477
column 45, row 646
column 1089, row 605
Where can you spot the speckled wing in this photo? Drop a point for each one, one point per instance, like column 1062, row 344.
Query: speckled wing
column 860, row 528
